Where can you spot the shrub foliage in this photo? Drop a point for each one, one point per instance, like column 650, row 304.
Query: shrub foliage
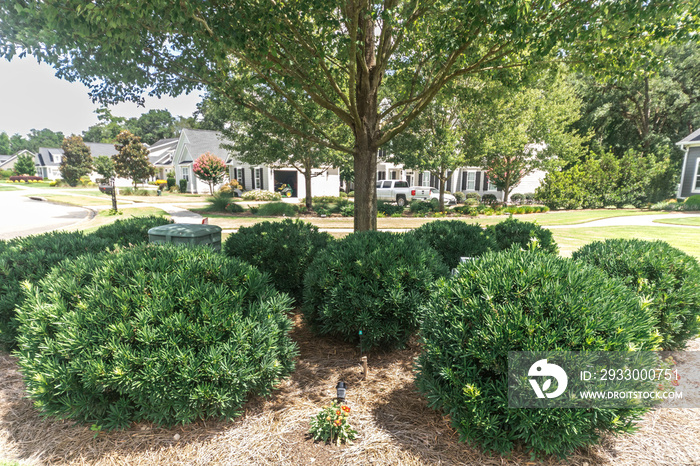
column 372, row 282
column 667, row 278
column 524, row 234
column 283, row 249
column 157, row 333
column 523, row 301
column 32, row 257
column 453, row 239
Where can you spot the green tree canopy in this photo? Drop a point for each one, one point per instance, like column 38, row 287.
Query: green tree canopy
column 25, row 165
column 5, row 144
column 35, row 139
column 131, row 161
column 153, row 126
column 375, row 65
column 76, row 160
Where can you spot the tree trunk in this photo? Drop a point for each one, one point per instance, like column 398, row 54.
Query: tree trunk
column 114, row 196
column 441, row 199
column 365, row 189
column 307, row 179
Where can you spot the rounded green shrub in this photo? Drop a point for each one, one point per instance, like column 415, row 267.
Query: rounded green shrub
column 154, row 333
column 459, row 196
column 524, row 234
column 277, row 209
column 130, row 231
column 372, row 282
column 283, row 249
column 234, row 208
column 517, row 198
column 419, row 207
column 489, row 199
column 453, row 239
column 389, row 208
column 665, row 277
column 523, row 301
column 692, row 203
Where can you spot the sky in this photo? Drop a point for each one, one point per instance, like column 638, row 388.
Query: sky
column 31, row 96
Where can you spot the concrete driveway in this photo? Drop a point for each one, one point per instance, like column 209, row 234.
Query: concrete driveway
column 21, row 216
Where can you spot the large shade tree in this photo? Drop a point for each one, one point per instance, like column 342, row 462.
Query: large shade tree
column 374, row 65
column 131, row 160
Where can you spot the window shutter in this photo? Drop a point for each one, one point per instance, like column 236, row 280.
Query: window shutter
column 464, row 181
column 486, row 182
column 420, row 179
column 243, row 176
column 477, row 181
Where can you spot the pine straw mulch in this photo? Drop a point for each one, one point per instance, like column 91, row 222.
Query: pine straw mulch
column 394, row 423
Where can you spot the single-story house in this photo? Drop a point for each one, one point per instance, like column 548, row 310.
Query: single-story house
column 690, row 173
column 7, row 162
column 464, row 179
column 193, row 143
column 48, row 161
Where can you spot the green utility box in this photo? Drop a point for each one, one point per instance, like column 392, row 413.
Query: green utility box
column 187, row 234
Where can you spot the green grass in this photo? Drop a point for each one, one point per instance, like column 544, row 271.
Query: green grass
column 690, row 221
column 570, row 239
column 103, row 217
column 8, row 188
column 79, row 200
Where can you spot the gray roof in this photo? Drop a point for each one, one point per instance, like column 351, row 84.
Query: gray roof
column 201, row 141
column 693, row 139
column 47, row 155
column 161, row 152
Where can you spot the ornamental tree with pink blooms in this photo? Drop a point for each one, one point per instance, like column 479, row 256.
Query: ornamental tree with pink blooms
column 210, row 169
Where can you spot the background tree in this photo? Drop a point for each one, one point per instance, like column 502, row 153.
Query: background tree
column 210, row 169
column 104, row 166
column 108, row 128
column 374, row 65
column 25, row 165
column 76, row 160
column 447, row 135
column 5, row 144
column 35, row 139
column 530, row 129
column 153, row 126
column 131, row 160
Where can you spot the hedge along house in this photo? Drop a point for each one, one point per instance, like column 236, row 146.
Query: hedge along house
column 193, row 143
column 464, row 179
column 690, row 173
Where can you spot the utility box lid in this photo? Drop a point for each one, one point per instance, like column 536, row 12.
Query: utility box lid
column 188, row 234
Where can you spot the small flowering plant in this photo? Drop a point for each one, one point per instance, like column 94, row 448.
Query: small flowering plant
column 331, row 424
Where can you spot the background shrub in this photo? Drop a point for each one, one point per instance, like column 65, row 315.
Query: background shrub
column 472, row 195
column 489, row 199
column 453, row 239
column 459, row 195
column 156, row 333
column 517, row 198
column 523, row 301
column 389, row 208
column 219, row 200
column 667, row 278
column 370, row 281
column 277, row 209
column 419, row 207
column 234, row 208
column 513, row 231
column 183, row 186
column 692, row 203
column 259, row 195
column 283, row 249
column 130, row 231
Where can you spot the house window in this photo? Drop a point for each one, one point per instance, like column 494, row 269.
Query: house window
column 185, row 173
column 491, row 185
column 393, row 175
column 471, row 181
column 697, row 176
column 258, row 178
column 426, row 180
column 381, row 176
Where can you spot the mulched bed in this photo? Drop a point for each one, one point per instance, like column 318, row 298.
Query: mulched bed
column 394, row 423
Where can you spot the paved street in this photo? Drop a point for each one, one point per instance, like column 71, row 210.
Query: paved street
column 21, row 216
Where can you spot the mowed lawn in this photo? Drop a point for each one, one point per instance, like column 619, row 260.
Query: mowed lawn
column 685, row 239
